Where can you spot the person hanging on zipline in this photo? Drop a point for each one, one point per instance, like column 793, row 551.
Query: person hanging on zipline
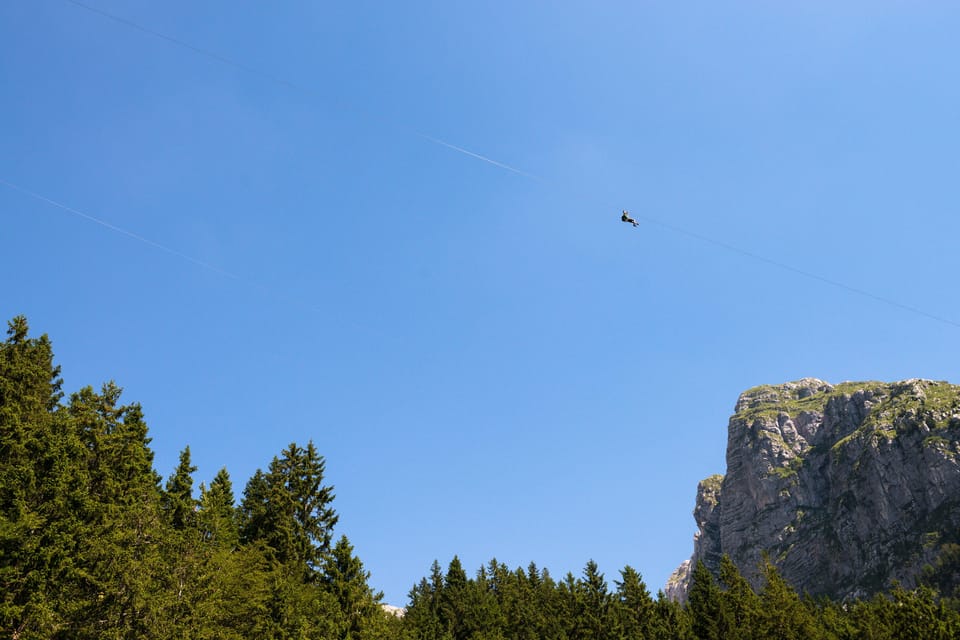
column 626, row 218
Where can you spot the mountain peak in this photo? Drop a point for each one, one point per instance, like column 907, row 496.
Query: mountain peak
column 846, row 488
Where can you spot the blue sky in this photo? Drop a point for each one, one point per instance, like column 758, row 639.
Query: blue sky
column 492, row 364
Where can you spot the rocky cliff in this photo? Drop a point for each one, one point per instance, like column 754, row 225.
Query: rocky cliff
column 845, row 487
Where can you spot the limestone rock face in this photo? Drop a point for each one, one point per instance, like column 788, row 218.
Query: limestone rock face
column 845, row 488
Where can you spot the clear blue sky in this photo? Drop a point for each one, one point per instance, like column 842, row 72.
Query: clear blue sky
column 493, row 364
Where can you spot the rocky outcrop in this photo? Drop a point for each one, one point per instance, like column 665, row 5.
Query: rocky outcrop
column 845, row 488
column 396, row 612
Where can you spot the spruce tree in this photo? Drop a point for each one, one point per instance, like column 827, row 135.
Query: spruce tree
column 740, row 607
column 703, row 603
column 634, row 606
column 919, row 614
column 178, row 497
column 671, row 621
column 345, row 578
column 218, row 515
column 784, row 616
column 37, row 521
column 453, row 599
column 288, row 509
column 122, row 574
column 422, row 618
column 593, row 604
column 286, row 512
column 482, row 618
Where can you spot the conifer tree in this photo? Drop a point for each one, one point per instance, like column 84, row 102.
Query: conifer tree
column 37, row 525
column 918, row 614
column 671, row 621
column 548, row 605
column 120, row 575
column 703, row 603
column 523, row 617
column 538, row 603
column 288, row 509
column 784, row 615
column 634, row 606
column 218, row 515
column 739, row 605
column 483, row 618
column 452, row 599
column 837, row 621
column 422, row 618
column 178, row 497
column 594, row 618
column 345, row 578
column 568, row 605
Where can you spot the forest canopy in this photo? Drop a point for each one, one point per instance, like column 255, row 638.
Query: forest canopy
column 95, row 544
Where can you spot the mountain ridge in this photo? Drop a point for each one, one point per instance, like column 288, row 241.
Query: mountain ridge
column 846, row 488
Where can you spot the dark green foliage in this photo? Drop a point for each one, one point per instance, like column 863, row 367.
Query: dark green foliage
column 34, row 484
column 345, row 578
column 944, row 574
column 452, row 599
column 178, row 498
column 784, row 615
column 91, row 546
column 528, row 604
column 519, row 604
column 703, row 603
column 217, row 518
column 593, row 609
column 920, row 614
column 740, row 607
column 670, row 621
column 288, row 509
column 634, row 610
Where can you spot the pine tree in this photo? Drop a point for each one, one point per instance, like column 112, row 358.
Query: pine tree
column 918, row 614
column 239, row 594
column 178, row 498
column 453, row 599
column 634, row 606
column 345, row 578
column 594, row 604
column 671, row 621
column 549, row 604
column 37, row 525
column 739, row 604
column 837, row 621
column 482, row 618
column 784, row 616
column 288, row 509
column 121, row 575
column 568, row 605
column 422, row 619
column 703, row 603
column 287, row 513
column 520, row 605
column 217, row 518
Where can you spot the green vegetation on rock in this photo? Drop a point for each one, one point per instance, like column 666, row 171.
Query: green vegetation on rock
column 771, row 401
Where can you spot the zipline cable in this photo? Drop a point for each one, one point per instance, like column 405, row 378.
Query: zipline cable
column 372, row 115
column 156, row 245
column 375, row 116
column 798, row 271
column 120, row 230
